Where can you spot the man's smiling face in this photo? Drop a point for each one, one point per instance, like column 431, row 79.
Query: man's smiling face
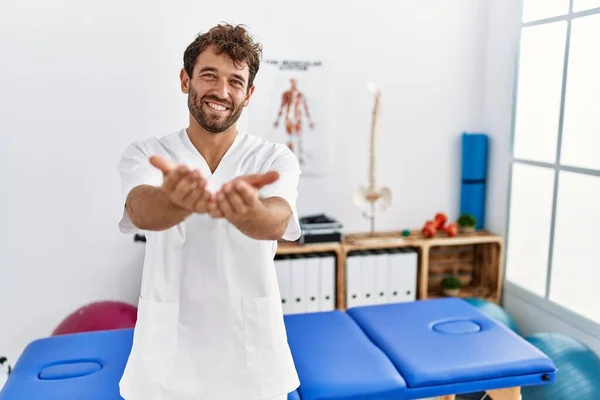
column 217, row 91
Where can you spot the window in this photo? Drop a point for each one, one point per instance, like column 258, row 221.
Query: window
column 553, row 245
column 539, row 92
column 575, row 263
column 541, row 9
column 581, row 129
column 583, row 5
column 529, row 235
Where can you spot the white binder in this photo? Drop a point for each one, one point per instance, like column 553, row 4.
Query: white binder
column 353, row 279
column 402, row 275
column 411, row 266
column 298, row 270
column 284, row 279
column 382, row 276
column 395, row 266
column 327, row 297
column 368, row 277
column 312, row 265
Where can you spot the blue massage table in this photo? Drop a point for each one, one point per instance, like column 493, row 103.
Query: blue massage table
column 420, row 349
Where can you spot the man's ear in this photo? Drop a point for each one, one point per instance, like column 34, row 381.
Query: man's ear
column 185, row 81
column 250, row 91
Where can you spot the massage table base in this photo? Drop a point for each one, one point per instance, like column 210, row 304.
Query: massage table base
column 506, row 394
column 513, row 393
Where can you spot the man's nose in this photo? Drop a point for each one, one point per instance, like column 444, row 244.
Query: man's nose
column 221, row 90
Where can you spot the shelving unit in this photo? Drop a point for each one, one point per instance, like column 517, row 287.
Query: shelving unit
column 475, row 257
column 337, row 249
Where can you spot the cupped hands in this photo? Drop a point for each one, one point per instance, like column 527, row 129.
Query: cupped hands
column 235, row 201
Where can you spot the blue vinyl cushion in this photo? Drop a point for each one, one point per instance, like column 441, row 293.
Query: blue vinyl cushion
column 71, row 367
column 449, row 342
column 336, row 360
column 410, row 350
column 80, row 366
column 293, row 395
column 70, row 370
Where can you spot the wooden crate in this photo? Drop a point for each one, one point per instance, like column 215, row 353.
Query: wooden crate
column 476, row 259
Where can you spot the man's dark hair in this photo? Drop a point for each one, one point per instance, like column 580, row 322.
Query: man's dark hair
column 234, row 41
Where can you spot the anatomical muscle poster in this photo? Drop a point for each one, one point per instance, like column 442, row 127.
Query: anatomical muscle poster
column 289, row 107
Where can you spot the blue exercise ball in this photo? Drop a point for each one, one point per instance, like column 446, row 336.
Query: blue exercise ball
column 578, row 375
column 494, row 311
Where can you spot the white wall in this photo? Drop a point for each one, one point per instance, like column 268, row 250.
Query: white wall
column 80, row 80
column 501, row 49
column 427, row 55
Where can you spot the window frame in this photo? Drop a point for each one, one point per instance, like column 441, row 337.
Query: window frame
column 571, row 317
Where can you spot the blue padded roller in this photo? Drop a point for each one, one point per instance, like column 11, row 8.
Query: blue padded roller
column 472, row 201
column 474, row 157
column 446, row 346
column 474, row 176
column 335, row 360
column 71, row 367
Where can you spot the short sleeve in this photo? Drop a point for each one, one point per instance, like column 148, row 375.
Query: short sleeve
column 286, row 187
column 135, row 169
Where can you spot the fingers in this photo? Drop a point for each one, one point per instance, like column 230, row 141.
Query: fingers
column 173, row 173
column 185, row 189
column 175, row 177
column 213, row 209
column 223, row 206
column 269, row 178
column 162, row 163
column 184, row 186
column 240, row 196
column 235, row 201
column 196, row 194
column 260, row 180
column 191, row 189
column 179, row 189
column 247, row 193
column 200, row 205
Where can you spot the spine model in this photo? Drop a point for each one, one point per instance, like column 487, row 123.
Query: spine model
column 370, row 198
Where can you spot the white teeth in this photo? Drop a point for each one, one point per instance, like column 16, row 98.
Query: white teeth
column 217, row 107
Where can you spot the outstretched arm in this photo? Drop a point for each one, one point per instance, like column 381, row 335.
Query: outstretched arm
column 157, row 208
column 150, row 209
column 258, row 218
column 268, row 210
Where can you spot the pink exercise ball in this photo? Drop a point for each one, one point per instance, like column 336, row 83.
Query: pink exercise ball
column 99, row 316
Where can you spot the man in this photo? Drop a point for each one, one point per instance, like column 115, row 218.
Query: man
column 212, row 201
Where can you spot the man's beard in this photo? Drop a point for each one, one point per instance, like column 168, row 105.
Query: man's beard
column 210, row 122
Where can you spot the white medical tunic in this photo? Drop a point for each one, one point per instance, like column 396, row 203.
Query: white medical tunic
column 210, row 322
